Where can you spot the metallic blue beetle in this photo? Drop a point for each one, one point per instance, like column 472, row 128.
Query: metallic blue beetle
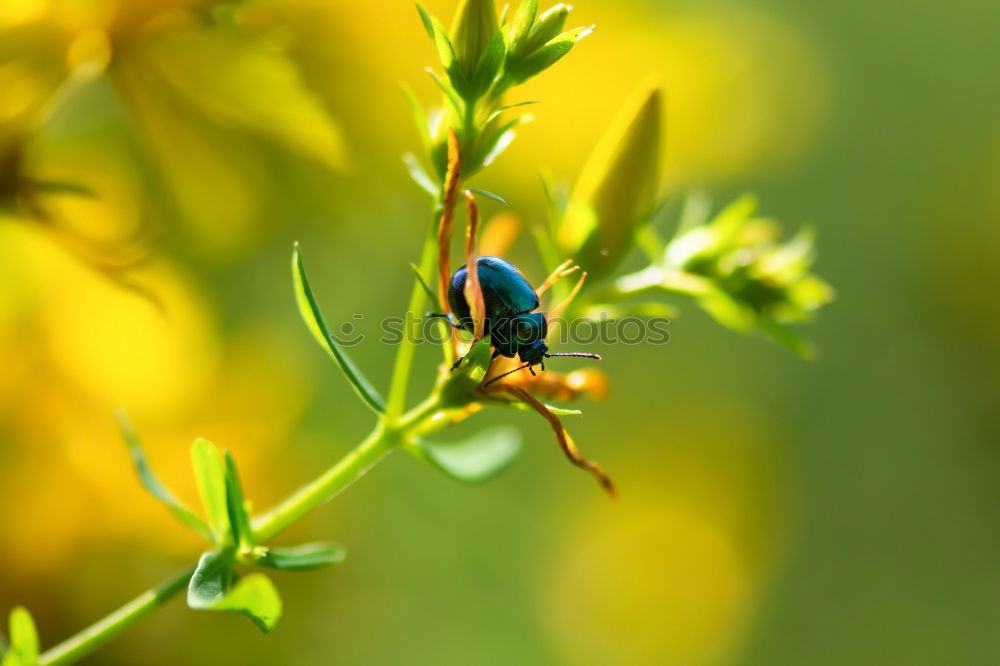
column 513, row 327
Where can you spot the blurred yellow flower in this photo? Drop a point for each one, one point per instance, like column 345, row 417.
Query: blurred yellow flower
column 201, row 87
column 744, row 90
column 671, row 573
column 74, row 346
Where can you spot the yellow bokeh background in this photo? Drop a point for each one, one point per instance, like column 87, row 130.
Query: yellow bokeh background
column 772, row 511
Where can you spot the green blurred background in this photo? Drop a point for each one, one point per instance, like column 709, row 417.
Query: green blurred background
column 773, row 511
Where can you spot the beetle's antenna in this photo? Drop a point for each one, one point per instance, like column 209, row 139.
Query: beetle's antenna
column 509, row 372
column 577, row 355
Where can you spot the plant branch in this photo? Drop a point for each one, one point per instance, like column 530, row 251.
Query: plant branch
column 350, row 468
column 99, row 633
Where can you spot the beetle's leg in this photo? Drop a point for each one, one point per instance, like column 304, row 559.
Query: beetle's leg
column 445, row 315
column 458, row 362
column 531, row 370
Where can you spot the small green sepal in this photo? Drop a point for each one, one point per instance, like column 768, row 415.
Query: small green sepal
column 304, row 557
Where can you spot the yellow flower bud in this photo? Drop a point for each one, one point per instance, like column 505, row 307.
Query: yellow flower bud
column 617, row 188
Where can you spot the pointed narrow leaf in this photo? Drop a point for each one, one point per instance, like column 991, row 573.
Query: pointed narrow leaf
column 23, row 649
column 489, row 195
column 695, row 211
column 306, row 556
column 236, row 507
column 419, row 117
column 256, row 597
column 431, row 294
column 210, row 475
column 489, row 64
column 449, row 93
column 435, row 29
column 558, row 411
column 211, row 580
column 789, row 339
column 477, row 459
column 420, row 176
column 152, row 483
column 523, row 20
column 425, row 18
column 317, row 326
column 495, row 143
column 547, row 55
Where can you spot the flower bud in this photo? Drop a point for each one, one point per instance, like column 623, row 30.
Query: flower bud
column 617, row 188
column 524, row 19
column 548, row 26
column 474, row 25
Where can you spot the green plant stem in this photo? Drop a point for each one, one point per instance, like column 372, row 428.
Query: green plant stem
column 383, row 439
column 88, row 640
column 651, row 281
column 404, row 357
column 332, row 481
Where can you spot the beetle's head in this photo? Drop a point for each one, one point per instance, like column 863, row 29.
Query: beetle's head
column 529, row 332
column 533, row 353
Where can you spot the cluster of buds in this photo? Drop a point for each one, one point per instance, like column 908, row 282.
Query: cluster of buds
column 753, row 279
column 733, row 265
column 483, row 56
column 736, row 268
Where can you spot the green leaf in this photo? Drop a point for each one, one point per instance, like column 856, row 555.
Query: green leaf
column 420, row 176
column 523, row 20
column 650, row 242
column 558, row 411
column 211, row 580
column 789, row 339
column 694, row 213
column 496, row 114
column 449, row 92
column 726, row 226
column 445, row 49
column 432, row 296
column 437, row 33
column 611, row 311
column 256, row 597
column 152, row 483
column 489, row 195
column 23, row 649
column 306, row 556
column 477, row 459
column 419, row 117
column 547, row 55
column 317, row 326
column 544, row 28
column 213, row 586
column 726, row 310
column 489, row 65
column 494, row 144
column 236, row 507
column 425, row 18
column 210, row 475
